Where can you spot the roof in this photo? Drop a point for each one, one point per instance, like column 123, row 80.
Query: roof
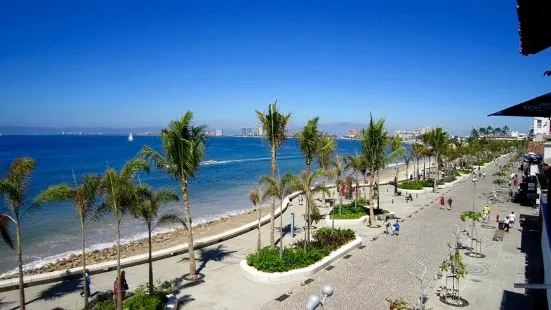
column 534, row 18
column 536, row 107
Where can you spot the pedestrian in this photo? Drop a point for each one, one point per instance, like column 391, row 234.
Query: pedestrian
column 484, row 175
column 396, row 228
column 86, row 283
column 506, row 223
column 387, row 225
column 124, row 286
column 512, row 218
column 442, row 201
column 450, row 203
column 515, row 181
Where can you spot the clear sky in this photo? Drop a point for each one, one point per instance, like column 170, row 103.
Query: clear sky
column 143, row 63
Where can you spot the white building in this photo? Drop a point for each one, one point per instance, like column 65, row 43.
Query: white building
column 541, row 128
column 260, row 130
column 218, row 132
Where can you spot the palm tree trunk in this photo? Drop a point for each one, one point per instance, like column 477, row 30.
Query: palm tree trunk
column 372, row 195
column 149, row 260
column 357, row 191
column 436, row 175
column 378, row 189
column 272, row 211
column 418, row 177
column 281, row 228
column 306, row 223
column 119, row 282
column 407, row 170
column 191, row 250
column 365, row 181
column 259, row 242
column 424, row 168
column 86, row 292
column 323, row 193
column 20, row 261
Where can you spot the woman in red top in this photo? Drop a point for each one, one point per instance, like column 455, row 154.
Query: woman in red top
column 442, row 201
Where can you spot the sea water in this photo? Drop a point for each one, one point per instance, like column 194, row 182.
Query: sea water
column 220, row 188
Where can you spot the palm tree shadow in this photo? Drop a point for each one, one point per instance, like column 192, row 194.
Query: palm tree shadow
column 217, row 254
column 184, row 300
column 58, row 290
column 5, row 304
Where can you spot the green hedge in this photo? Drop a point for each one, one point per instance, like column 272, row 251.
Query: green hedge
column 413, row 185
column 325, row 241
column 350, row 212
column 141, row 300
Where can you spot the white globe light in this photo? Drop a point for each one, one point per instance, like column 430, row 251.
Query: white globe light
column 327, row 290
column 313, row 302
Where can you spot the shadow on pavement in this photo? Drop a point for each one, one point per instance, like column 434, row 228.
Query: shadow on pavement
column 216, row 254
column 530, row 245
column 4, row 304
column 58, row 290
column 184, row 300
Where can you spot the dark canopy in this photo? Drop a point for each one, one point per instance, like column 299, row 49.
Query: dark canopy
column 536, row 107
column 534, row 17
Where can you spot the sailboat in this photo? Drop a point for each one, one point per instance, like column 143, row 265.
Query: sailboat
column 130, row 139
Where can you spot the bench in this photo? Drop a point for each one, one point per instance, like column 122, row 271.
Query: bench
column 498, row 235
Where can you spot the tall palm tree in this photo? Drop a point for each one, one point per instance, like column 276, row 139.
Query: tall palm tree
column 324, row 153
column 425, row 138
column 305, row 183
column 338, row 166
column 398, row 150
column 277, row 189
column 183, row 151
column 439, row 142
column 418, row 151
column 84, row 198
column 407, row 160
column 374, row 145
column 14, row 189
column 308, row 141
column 121, row 195
column 257, row 197
column 357, row 164
column 275, row 127
column 148, row 212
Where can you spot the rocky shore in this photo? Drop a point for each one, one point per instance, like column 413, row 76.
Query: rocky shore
column 159, row 242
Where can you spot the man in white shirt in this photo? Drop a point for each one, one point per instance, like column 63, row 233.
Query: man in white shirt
column 506, row 224
column 512, row 218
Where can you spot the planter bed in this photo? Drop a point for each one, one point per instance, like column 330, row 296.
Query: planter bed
column 254, row 275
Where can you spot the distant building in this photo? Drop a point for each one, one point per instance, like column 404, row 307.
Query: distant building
column 425, row 130
column 352, row 133
column 218, row 132
column 260, row 130
column 410, row 134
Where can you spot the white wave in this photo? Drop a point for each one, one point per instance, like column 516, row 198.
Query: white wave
column 229, row 161
column 41, row 262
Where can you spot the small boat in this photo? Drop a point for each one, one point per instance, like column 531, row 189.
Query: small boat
column 130, row 138
column 210, row 162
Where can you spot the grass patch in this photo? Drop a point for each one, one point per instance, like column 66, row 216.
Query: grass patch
column 325, row 241
column 350, row 212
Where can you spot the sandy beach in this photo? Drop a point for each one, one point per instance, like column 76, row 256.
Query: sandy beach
column 177, row 236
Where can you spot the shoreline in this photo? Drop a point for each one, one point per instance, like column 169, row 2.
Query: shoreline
column 163, row 240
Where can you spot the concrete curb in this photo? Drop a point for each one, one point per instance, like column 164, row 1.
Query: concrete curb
column 256, row 276
column 360, row 221
column 13, row 284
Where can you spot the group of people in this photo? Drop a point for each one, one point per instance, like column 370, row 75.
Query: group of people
column 393, row 229
column 124, row 285
column 443, row 203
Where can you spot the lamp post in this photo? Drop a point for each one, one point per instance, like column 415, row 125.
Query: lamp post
column 314, row 301
column 472, row 224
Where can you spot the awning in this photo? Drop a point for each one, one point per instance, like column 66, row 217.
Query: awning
column 536, row 107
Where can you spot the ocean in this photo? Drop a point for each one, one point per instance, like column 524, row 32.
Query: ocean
column 219, row 189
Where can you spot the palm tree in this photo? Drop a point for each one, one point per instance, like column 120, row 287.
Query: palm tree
column 439, row 143
column 5, row 230
column 398, row 150
column 426, row 137
column 184, row 149
column 84, row 199
column 505, row 129
column 14, row 187
column 305, row 183
column 148, row 211
column 407, row 159
column 339, row 173
column 121, row 195
column 324, row 153
column 275, row 127
column 257, row 197
column 277, row 189
column 374, row 143
column 418, row 151
column 308, row 140
column 357, row 164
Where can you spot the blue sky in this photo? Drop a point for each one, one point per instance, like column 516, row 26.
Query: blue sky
column 136, row 63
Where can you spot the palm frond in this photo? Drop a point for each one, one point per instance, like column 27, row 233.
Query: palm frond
column 171, row 218
column 274, row 124
column 154, row 157
column 53, row 194
column 101, row 211
column 166, row 195
column 133, row 167
column 4, row 230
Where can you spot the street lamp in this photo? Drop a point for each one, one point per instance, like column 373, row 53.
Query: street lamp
column 314, row 301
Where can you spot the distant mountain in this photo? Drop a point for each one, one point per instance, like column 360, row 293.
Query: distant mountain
column 23, row 130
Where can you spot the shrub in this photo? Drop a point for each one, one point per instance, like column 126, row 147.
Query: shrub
column 351, row 212
column 105, row 305
column 294, row 257
column 141, row 300
column 413, row 185
column 448, row 179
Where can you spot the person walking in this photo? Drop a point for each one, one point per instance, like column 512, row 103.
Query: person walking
column 484, row 175
column 450, row 203
column 512, row 217
column 486, row 212
column 442, row 202
column 396, row 228
column 87, row 281
column 387, row 225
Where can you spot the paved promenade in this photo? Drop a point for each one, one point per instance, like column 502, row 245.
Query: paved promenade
column 363, row 281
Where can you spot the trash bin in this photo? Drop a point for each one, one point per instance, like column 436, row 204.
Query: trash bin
column 501, row 225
